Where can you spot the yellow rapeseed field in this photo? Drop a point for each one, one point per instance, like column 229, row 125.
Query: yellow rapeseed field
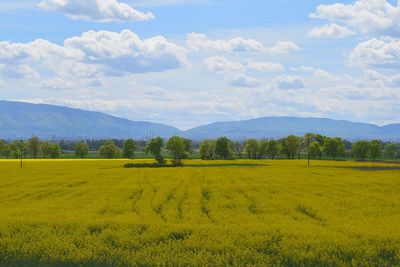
column 97, row 213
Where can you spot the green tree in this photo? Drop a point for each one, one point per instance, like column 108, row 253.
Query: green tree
column 46, row 147
column 263, row 151
column 81, row 149
column 238, row 148
column 129, row 149
column 291, row 146
column 360, row 150
column 274, row 149
column 176, row 146
column 188, row 145
column 154, row 147
column 375, row 149
column 223, row 148
column 391, row 150
column 109, row 150
column 54, row 151
column 309, row 138
column 333, row 147
column 34, row 146
column 252, row 148
column 207, row 149
column 4, row 149
column 320, row 139
column 315, row 150
column 18, row 150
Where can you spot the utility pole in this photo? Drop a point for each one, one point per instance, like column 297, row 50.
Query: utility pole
column 21, row 148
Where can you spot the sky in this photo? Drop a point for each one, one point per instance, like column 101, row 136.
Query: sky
column 191, row 62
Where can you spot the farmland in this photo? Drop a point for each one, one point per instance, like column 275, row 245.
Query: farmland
column 242, row 212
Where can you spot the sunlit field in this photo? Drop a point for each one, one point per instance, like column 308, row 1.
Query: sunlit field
column 95, row 212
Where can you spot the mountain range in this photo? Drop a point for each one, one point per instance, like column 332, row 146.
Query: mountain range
column 22, row 120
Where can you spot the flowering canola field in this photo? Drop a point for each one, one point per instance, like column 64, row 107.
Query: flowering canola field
column 96, row 213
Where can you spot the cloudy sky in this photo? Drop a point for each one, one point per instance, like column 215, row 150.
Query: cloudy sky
column 190, row 62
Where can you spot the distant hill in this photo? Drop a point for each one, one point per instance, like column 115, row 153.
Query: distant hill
column 276, row 127
column 22, row 120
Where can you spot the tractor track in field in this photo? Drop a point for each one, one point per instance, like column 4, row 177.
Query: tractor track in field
column 171, row 194
column 136, row 195
column 204, row 201
column 252, row 206
column 185, row 196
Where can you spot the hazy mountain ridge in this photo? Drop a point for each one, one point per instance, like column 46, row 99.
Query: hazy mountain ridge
column 22, row 120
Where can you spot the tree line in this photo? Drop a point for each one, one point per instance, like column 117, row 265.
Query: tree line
column 311, row 146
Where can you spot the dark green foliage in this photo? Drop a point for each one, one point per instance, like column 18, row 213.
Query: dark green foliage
column 333, row 147
column 129, row 149
column 109, row 150
column 34, row 145
column 375, row 149
column 223, row 148
column 291, row 146
column 154, row 147
column 360, row 150
column 81, row 150
column 252, row 148
column 207, row 149
column 176, row 145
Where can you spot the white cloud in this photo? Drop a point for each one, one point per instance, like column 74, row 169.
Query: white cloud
column 232, row 71
column 289, row 82
column 96, row 10
column 56, row 84
column 374, row 78
column 91, row 55
column 365, row 16
column 220, row 64
column 265, row 66
column 199, row 42
column 330, row 31
column 315, row 71
column 23, row 71
column 382, row 52
column 283, row 47
column 242, row 80
column 126, row 52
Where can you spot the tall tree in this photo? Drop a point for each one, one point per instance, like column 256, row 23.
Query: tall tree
column 188, row 145
column 207, row 149
column 18, row 149
column 309, row 138
column 315, row 150
column 81, row 149
column 263, row 151
column 291, row 146
column 238, row 148
column 274, row 148
column 375, row 149
column 154, row 147
column 360, row 150
column 176, row 146
column 129, row 149
column 252, row 148
column 34, row 146
column 5, row 150
column 45, row 149
column 391, row 150
column 223, row 148
column 109, row 150
column 333, row 147
column 54, row 151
